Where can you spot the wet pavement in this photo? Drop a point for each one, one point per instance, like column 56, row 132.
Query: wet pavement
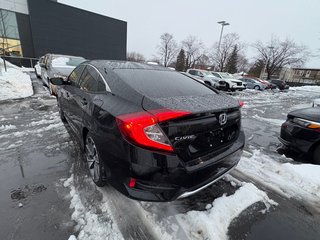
column 34, row 157
column 38, row 155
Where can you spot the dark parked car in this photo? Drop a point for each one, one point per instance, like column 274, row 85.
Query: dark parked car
column 152, row 133
column 280, row 84
column 301, row 132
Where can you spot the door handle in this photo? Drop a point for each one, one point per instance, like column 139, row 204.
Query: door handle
column 84, row 101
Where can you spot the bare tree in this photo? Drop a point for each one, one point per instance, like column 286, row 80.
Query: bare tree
column 276, row 54
column 135, row 57
column 168, row 49
column 243, row 63
column 194, row 50
column 220, row 56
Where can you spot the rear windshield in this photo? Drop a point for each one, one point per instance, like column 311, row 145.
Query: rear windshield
column 157, row 84
column 60, row 61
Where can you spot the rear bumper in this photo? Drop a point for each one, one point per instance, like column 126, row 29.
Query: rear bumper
column 177, row 180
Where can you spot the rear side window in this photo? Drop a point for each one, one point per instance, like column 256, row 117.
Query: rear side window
column 101, row 85
column 157, row 84
column 75, row 76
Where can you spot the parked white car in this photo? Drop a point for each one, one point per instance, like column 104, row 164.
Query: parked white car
column 37, row 67
column 232, row 83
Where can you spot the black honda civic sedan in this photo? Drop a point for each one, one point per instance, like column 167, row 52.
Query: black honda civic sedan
column 152, row 133
column 301, row 132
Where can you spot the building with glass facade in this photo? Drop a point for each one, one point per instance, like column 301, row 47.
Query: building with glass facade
column 32, row 28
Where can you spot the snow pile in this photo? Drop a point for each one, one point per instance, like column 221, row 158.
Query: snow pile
column 7, row 127
column 213, row 223
column 89, row 225
column 14, row 84
column 300, row 181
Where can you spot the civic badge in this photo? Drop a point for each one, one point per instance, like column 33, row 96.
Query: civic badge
column 223, row 118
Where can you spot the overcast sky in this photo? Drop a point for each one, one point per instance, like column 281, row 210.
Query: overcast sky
column 251, row 19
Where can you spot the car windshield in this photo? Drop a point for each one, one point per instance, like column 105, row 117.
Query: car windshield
column 59, row 61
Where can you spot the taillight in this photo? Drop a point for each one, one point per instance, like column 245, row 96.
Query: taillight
column 241, row 103
column 142, row 128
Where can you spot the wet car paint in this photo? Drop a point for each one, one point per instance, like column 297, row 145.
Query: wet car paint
column 271, row 225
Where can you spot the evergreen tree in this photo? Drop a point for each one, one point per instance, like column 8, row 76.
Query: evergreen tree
column 257, row 67
column 181, row 61
column 231, row 66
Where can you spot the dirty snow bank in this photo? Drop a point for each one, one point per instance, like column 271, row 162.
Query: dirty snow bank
column 89, row 225
column 213, row 223
column 14, row 84
column 306, row 88
column 299, row 181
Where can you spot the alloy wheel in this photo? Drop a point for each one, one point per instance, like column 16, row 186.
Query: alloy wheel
column 92, row 159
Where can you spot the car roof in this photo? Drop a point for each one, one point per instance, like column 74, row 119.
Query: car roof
column 62, row 55
column 115, row 64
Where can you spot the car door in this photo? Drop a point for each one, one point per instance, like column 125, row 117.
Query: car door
column 93, row 89
column 68, row 97
column 87, row 98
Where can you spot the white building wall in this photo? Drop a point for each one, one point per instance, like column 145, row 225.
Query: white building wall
column 20, row 6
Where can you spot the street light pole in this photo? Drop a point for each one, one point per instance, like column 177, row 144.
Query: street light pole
column 223, row 23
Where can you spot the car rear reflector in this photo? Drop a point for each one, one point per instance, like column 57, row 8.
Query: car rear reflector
column 241, row 103
column 142, row 128
column 132, row 182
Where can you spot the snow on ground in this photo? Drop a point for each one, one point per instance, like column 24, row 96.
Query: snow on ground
column 276, row 122
column 7, row 127
column 298, row 181
column 89, row 225
column 14, row 83
column 213, row 223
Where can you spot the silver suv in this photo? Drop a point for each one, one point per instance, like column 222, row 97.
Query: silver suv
column 57, row 66
column 208, row 78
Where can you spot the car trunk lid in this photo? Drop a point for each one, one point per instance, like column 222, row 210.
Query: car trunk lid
column 213, row 124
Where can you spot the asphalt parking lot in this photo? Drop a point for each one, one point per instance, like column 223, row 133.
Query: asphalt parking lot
column 47, row 194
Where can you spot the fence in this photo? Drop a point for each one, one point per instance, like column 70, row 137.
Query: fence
column 21, row 61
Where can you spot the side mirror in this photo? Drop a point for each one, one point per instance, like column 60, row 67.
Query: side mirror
column 57, row 81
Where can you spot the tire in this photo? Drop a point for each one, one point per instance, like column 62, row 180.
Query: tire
column 50, row 89
column 256, row 87
column 228, row 87
column 316, row 155
column 37, row 75
column 61, row 113
column 95, row 165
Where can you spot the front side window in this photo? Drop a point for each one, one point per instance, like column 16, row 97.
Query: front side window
column 88, row 80
column 75, row 76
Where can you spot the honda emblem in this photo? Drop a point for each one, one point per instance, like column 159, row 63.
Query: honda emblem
column 223, row 119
